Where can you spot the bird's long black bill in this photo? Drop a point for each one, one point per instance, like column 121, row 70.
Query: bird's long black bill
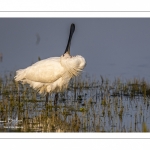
column 72, row 29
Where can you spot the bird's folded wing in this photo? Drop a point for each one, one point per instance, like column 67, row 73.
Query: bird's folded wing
column 45, row 71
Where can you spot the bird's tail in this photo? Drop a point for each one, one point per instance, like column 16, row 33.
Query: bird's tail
column 20, row 75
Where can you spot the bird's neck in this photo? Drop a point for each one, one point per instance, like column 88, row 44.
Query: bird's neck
column 66, row 55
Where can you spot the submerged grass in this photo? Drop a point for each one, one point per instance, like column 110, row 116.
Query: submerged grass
column 88, row 105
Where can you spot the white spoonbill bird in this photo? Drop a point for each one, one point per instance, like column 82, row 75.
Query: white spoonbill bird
column 53, row 74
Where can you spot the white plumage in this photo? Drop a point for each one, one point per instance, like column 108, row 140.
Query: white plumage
column 52, row 74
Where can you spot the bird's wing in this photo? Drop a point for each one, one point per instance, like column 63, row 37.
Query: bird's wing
column 45, row 71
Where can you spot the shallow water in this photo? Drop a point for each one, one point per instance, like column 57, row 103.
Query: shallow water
column 86, row 106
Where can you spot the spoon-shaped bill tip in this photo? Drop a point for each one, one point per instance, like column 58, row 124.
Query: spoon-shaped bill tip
column 72, row 28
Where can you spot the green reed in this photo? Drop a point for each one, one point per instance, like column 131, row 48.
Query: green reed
column 88, row 105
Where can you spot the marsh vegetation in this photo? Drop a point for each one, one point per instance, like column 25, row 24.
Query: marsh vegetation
column 88, row 105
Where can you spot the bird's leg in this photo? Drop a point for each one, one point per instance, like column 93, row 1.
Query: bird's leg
column 56, row 98
column 55, row 103
column 47, row 98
